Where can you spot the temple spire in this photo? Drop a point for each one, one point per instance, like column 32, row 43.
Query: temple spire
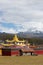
column 15, row 38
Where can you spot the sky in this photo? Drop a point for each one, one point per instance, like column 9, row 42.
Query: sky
column 21, row 15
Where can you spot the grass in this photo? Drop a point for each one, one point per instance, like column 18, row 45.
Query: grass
column 21, row 60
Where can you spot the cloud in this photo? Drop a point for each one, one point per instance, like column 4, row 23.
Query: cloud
column 32, row 26
column 24, row 14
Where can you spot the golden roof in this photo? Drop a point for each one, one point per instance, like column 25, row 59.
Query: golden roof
column 15, row 39
column 7, row 44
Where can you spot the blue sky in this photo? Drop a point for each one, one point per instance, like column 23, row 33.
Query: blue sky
column 21, row 15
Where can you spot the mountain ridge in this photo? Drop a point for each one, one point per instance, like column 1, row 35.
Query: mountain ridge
column 31, row 34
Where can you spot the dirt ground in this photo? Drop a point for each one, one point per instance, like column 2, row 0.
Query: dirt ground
column 21, row 60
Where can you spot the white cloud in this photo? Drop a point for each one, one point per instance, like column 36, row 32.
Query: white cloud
column 27, row 13
column 33, row 26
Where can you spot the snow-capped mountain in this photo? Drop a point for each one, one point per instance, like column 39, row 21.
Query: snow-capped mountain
column 30, row 34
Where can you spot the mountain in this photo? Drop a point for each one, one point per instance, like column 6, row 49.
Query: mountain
column 28, row 34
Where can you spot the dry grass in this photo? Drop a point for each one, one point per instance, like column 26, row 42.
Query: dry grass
column 21, row 60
